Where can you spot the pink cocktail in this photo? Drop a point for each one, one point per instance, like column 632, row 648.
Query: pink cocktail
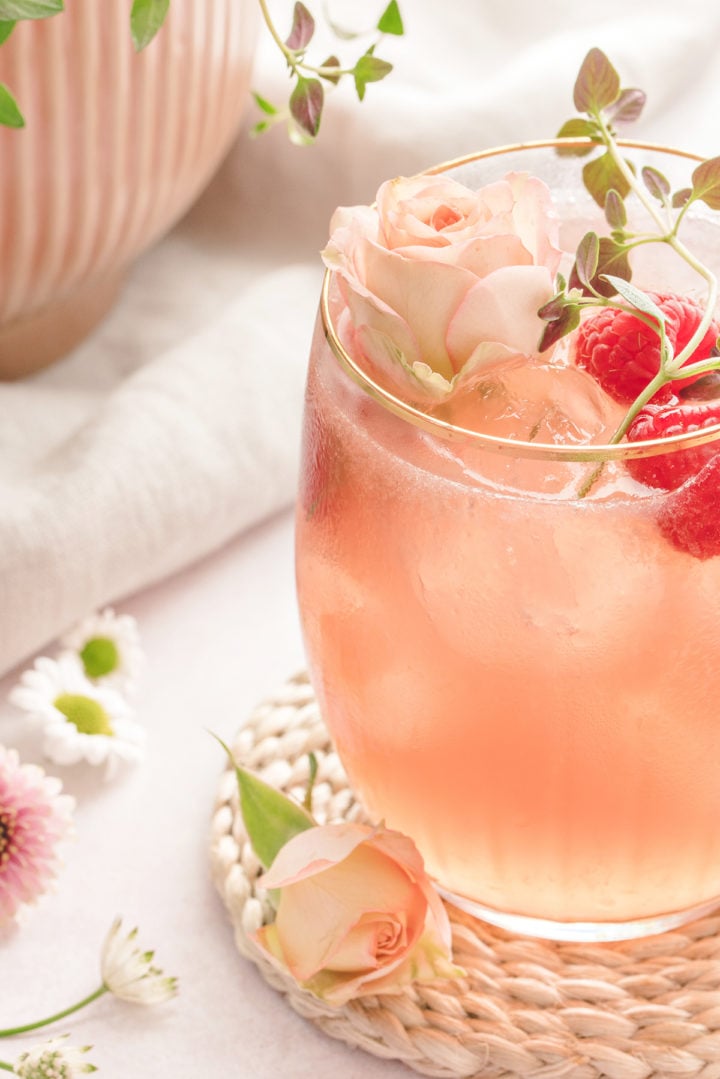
column 516, row 666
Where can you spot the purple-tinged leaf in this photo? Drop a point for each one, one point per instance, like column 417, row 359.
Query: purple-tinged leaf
column 586, row 258
column 306, row 104
column 602, row 175
column 615, row 212
column 332, row 61
column 560, row 327
column 553, row 309
column 577, row 128
column 656, row 184
column 597, row 84
column 390, row 21
column 681, row 198
column 628, row 106
column 303, row 28
column 706, row 183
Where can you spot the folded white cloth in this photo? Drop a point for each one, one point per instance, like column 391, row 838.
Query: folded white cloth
column 110, row 481
column 176, row 425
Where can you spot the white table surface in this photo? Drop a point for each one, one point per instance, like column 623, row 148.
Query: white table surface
column 218, row 638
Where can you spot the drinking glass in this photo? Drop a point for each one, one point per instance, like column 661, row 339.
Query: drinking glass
column 516, row 667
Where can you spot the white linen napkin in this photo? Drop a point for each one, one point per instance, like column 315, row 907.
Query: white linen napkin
column 110, row 481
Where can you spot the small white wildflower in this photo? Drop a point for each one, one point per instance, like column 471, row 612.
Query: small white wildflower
column 129, row 974
column 108, row 646
column 80, row 720
column 54, row 1060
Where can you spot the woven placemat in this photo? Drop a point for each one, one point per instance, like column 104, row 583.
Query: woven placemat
column 528, row 1008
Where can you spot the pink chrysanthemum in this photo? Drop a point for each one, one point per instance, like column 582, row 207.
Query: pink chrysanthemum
column 34, row 818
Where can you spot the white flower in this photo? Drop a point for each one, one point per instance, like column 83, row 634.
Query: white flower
column 129, row 974
column 109, row 649
column 81, row 720
column 54, row 1060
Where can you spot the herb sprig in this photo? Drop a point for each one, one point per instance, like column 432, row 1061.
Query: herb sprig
column 307, row 98
column 601, row 274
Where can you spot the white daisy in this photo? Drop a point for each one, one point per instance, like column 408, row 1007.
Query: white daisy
column 108, row 645
column 80, row 720
column 129, row 974
column 54, row 1060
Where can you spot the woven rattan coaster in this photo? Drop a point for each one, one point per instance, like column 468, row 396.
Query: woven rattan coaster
column 528, row 1008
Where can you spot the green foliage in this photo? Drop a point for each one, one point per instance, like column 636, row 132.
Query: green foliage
column 146, row 18
column 29, row 9
column 390, row 22
column 369, row 68
column 602, row 175
column 271, row 818
column 10, row 115
column 6, row 29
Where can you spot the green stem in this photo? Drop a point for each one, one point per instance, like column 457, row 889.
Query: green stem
column 6, row 1067
column 10, row 1031
column 297, row 66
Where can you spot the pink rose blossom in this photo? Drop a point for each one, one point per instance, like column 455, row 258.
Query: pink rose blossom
column 441, row 282
column 357, row 913
column 34, row 818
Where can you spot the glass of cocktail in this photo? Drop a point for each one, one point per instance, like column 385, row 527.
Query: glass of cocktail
column 512, row 639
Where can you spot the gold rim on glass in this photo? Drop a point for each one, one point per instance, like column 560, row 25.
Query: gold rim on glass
column 538, row 450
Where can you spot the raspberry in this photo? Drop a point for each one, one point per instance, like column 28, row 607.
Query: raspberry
column 623, row 353
column 670, row 470
column 690, row 516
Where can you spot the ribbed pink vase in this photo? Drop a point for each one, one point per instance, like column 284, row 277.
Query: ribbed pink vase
column 116, row 147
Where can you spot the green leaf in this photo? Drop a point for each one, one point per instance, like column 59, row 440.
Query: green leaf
column 615, row 212
column 29, row 9
column 369, row 68
column 332, row 61
column 706, row 183
column 560, row 282
column 612, row 262
column 597, row 84
column 656, row 184
column 306, row 104
column 263, row 104
column 602, row 175
column 146, row 18
column 628, row 106
column 312, row 775
column 577, row 128
column 303, row 28
column 270, row 817
column 390, row 21
column 636, row 298
column 560, row 327
column 6, row 29
column 10, row 115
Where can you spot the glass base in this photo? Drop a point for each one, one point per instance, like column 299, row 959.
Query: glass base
column 589, row 932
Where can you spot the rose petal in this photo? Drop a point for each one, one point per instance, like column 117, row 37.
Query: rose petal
column 314, row 850
column 503, row 308
column 425, row 295
column 316, row 914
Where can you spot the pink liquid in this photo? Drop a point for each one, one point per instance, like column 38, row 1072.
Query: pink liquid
column 523, row 681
